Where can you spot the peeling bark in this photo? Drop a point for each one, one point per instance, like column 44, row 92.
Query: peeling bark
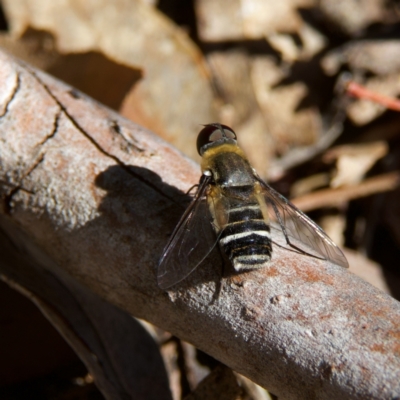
column 99, row 196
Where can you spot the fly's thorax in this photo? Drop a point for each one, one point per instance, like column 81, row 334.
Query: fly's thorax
column 229, row 166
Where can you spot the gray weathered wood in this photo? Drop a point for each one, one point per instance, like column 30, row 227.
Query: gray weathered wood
column 100, row 195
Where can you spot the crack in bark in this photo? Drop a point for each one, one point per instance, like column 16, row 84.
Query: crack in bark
column 98, row 147
column 55, row 129
column 14, row 93
column 9, row 197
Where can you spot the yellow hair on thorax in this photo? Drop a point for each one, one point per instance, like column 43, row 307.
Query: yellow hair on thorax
column 210, row 153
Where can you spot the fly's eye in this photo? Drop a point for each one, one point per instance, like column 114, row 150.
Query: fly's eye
column 229, row 133
column 207, row 135
column 212, row 133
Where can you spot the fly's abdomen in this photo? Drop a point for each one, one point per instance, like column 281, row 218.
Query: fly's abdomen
column 246, row 237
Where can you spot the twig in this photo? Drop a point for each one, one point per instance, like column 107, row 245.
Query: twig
column 337, row 196
column 361, row 92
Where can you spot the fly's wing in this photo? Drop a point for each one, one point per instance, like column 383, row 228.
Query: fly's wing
column 297, row 225
column 190, row 243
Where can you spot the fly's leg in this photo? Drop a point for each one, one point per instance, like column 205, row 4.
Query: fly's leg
column 218, row 283
column 222, row 261
column 191, row 188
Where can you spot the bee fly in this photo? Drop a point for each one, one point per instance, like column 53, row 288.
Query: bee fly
column 235, row 208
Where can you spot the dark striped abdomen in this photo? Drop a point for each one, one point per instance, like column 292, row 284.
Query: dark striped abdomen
column 246, row 238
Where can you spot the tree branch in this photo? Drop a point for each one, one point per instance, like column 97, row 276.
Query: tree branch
column 101, row 204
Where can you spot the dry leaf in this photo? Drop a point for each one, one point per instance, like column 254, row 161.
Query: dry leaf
column 288, row 126
column 220, row 21
column 247, row 19
column 220, row 384
column 354, row 161
column 352, row 16
column 380, row 57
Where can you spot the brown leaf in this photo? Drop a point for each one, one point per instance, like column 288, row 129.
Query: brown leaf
column 247, row 19
column 354, row 161
column 288, row 126
column 352, row 16
column 221, row 384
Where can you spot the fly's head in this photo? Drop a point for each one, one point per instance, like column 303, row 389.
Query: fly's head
column 214, row 135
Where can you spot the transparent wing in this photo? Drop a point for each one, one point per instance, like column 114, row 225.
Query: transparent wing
column 295, row 224
column 190, row 243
